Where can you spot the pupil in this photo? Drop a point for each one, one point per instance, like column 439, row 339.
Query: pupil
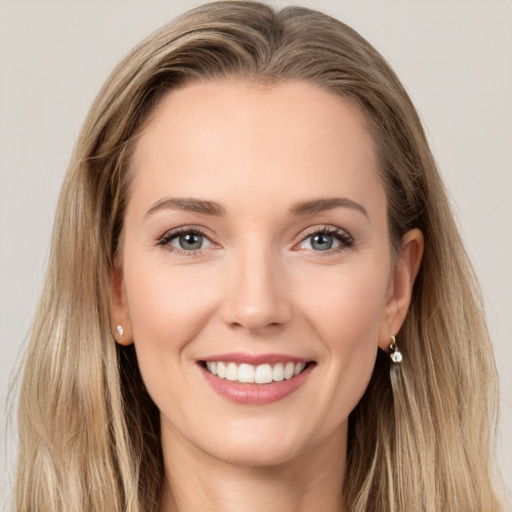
column 190, row 241
column 322, row 242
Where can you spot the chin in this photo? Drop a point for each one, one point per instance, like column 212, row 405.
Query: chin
column 260, row 445
column 257, row 455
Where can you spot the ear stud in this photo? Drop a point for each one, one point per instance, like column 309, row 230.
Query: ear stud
column 120, row 330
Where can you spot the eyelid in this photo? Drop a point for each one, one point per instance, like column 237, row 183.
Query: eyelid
column 344, row 237
column 165, row 239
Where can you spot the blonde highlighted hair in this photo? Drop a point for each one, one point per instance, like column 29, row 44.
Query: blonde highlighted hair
column 420, row 439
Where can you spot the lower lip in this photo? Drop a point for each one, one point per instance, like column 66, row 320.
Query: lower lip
column 256, row 394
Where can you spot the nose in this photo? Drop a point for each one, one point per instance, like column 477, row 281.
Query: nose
column 258, row 296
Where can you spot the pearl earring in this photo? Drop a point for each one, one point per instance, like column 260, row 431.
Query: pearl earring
column 120, row 330
column 396, row 355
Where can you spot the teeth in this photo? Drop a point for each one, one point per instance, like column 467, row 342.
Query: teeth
column 278, row 372
column 221, row 370
column 298, row 368
column 261, row 374
column 289, row 370
column 212, row 367
column 246, row 373
column 232, row 371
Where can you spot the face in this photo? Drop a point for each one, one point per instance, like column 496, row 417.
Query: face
column 256, row 248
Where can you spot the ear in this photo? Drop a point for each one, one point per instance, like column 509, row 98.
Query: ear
column 119, row 312
column 405, row 272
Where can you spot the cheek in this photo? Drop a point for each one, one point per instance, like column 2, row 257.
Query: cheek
column 168, row 305
column 345, row 313
column 169, row 308
column 346, row 305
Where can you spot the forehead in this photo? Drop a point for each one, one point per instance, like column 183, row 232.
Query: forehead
column 240, row 138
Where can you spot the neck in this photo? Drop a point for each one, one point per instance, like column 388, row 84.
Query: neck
column 310, row 481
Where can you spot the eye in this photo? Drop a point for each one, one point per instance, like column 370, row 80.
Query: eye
column 326, row 239
column 320, row 242
column 188, row 241
column 185, row 240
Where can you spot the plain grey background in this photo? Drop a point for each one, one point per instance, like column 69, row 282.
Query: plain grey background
column 454, row 57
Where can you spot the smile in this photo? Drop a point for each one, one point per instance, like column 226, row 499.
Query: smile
column 255, row 380
column 260, row 374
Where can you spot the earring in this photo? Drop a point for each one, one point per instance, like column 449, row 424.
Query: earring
column 396, row 355
column 120, row 330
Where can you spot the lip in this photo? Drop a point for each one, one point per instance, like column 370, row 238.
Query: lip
column 255, row 394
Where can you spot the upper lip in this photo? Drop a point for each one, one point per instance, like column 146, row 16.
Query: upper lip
column 255, row 359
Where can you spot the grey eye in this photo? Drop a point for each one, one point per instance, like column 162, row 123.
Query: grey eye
column 188, row 241
column 321, row 241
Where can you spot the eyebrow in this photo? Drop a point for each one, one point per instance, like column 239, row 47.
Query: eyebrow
column 321, row 205
column 188, row 204
column 212, row 208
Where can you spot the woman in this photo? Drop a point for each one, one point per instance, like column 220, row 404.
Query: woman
column 250, row 214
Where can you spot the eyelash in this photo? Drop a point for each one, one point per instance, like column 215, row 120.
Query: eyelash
column 340, row 235
column 165, row 240
column 344, row 238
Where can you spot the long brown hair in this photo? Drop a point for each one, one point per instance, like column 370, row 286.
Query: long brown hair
column 420, row 437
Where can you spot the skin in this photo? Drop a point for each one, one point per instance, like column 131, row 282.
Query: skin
column 258, row 285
